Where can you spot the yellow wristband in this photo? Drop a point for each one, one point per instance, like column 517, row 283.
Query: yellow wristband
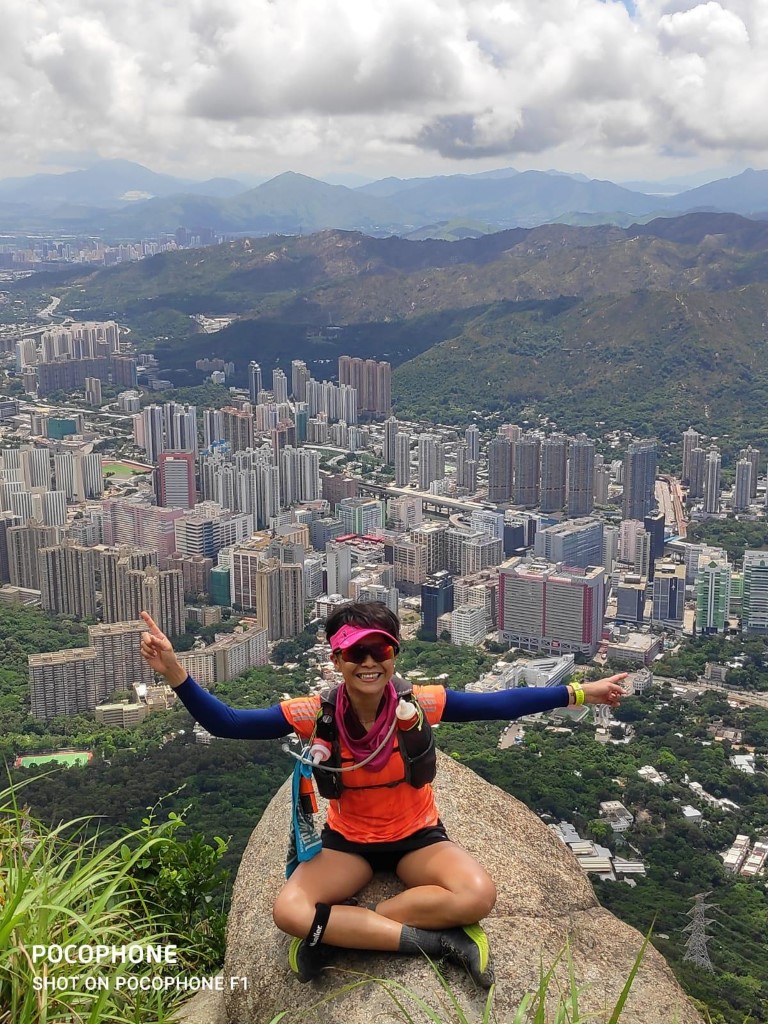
column 578, row 693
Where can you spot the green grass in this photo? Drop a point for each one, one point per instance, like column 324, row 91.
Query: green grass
column 75, row 757
column 123, row 470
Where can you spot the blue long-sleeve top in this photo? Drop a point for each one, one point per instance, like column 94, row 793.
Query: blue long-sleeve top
column 270, row 723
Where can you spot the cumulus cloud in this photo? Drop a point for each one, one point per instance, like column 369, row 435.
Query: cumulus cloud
column 335, row 80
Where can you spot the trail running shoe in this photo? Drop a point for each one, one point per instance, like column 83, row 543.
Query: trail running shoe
column 469, row 947
column 307, row 962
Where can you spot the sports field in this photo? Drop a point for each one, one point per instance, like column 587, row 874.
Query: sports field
column 124, row 470
column 68, row 758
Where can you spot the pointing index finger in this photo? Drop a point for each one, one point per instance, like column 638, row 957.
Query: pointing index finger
column 151, row 624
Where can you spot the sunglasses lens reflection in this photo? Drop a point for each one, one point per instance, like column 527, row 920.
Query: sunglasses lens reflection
column 359, row 652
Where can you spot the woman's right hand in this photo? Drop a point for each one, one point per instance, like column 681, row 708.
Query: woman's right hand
column 157, row 650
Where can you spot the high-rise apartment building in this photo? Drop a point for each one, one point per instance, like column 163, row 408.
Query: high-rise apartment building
column 500, row 464
column 152, row 435
column 527, row 459
column 66, row 574
column 402, row 460
column 742, row 488
column 24, row 542
column 279, row 386
column 472, row 440
column 388, row 440
column 431, row 465
column 73, row 682
column 299, row 377
column 139, row 525
column 752, row 455
column 255, row 382
column 554, row 452
column 640, row 479
column 581, row 476
column 691, row 440
column 697, row 473
column 237, row 425
column 712, row 481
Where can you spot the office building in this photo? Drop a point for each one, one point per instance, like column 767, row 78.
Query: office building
column 669, row 593
column 361, row 515
column 713, row 592
column 654, row 525
column 550, row 609
column 410, row 565
column 468, row 625
column 436, row 600
column 639, row 479
column 434, row 537
column 176, row 480
column 754, row 608
column 338, row 567
column 581, row 476
column 630, row 598
column 575, row 542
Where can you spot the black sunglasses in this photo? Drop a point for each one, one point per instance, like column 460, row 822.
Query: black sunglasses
column 379, row 650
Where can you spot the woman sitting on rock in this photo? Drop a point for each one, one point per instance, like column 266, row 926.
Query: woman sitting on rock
column 377, row 821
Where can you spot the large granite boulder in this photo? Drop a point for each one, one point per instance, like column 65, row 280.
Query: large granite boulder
column 544, row 902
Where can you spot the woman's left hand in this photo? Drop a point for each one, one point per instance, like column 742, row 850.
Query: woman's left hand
column 605, row 691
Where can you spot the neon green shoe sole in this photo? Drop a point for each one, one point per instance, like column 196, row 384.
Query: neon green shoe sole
column 469, row 947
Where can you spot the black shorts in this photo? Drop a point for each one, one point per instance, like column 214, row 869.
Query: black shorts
column 384, row 857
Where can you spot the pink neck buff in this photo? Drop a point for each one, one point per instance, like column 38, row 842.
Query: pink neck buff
column 362, row 748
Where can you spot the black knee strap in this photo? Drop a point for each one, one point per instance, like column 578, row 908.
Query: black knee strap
column 319, row 924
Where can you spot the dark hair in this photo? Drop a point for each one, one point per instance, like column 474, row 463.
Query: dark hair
column 373, row 614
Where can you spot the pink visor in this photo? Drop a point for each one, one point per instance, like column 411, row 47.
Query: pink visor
column 348, row 636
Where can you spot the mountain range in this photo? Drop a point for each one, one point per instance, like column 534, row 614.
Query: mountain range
column 118, row 199
column 646, row 328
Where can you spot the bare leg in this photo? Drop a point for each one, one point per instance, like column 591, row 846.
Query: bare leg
column 446, row 887
column 331, row 877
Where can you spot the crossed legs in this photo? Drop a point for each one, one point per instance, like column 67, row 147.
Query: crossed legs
column 445, row 888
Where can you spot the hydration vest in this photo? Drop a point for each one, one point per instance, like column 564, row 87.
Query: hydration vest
column 415, row 745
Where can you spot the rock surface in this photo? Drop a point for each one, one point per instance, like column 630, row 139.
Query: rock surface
column 544, row 901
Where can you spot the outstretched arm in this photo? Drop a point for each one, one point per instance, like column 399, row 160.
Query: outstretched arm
column 214, row 715
column 505, row 705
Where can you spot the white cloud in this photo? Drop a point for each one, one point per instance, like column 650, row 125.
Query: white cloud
column 252, row 84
